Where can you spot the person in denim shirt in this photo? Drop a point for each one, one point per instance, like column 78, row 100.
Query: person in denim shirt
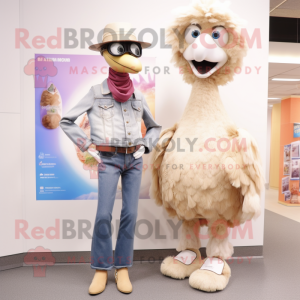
column 112, row 123
column 115, row 111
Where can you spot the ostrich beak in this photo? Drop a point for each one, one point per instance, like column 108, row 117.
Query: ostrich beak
column 124, row 64
column 205, row 56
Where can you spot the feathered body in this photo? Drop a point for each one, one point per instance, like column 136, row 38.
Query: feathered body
column 220, row 178
column 200, row 182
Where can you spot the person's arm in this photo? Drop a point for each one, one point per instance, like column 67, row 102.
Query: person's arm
column 153, row 129
column 72, row 130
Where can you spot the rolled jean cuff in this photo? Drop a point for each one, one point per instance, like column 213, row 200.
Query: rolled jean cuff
column 125, row 266
column 100, row 268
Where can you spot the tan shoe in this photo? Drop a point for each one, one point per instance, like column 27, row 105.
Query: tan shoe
column 122, row 280
column 180, row 269
column 212, row 276
column 99, row 282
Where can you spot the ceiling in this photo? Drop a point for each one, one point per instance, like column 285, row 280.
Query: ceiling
column 280, row 89
column 289, row 9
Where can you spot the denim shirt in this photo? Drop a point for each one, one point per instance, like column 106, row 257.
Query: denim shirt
column 112, row 123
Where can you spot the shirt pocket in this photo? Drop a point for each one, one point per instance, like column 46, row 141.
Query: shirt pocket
column 137, row 109
column 106, row 108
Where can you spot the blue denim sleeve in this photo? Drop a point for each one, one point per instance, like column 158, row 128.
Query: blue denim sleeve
column 72, row 130
column 153, row 129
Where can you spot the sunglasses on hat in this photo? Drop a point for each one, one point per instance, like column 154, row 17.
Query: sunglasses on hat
column 120, row 48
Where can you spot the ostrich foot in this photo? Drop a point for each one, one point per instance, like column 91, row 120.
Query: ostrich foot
column 213, row 275
column 182, row 265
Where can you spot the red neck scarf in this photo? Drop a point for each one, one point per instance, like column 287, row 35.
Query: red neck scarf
column 120, row 85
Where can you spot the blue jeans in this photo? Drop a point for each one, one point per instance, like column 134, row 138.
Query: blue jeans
column 113, row 166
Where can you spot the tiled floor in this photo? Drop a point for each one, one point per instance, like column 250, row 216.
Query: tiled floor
column 275, row 277
column 272, row 204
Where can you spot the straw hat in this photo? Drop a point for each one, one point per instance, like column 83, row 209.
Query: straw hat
column 115, row 32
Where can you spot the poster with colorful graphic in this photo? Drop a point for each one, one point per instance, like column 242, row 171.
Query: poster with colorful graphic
column 296, row 130
column 285, row 184
column 287, row 153
column 287, row 196
column 295, row 169
column 63, row 172
column 286, row 168
column 295, row 149
column 295, row 196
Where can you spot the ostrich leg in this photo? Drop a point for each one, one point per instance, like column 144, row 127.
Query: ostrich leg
column 214, row 273
column 189, row 259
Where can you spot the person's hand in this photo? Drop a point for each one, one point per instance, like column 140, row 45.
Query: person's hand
column 95, row 154
column 139, row 153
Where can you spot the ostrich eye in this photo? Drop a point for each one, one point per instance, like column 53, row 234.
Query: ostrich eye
column 216, row 35
column 195, row 33
column 116, row 49
column 191, row 33
column 220, row 36
column 134, row 48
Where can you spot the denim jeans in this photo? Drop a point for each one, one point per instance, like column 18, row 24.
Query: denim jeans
column 113, row 166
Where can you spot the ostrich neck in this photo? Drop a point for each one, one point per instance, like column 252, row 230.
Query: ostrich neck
column 204, row 105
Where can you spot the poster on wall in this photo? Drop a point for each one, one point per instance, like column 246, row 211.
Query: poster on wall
column 63, row 172
column 287, row 196
column 295, row 169
column 296, row 130
column 286, row 168
column 294, row 188
column 295, row 151
column 285, row 184
column 287, row 152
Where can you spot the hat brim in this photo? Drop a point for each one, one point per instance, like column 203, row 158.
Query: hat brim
column 97, row 47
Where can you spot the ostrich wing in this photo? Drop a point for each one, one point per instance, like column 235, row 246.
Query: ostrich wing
column 156, row 159
column 246, row 173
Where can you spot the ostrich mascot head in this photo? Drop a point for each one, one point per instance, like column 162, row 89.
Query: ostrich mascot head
column 206, row 42
column 203, row 184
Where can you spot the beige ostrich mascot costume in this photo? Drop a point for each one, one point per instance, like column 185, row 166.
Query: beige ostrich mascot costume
column 217, row 179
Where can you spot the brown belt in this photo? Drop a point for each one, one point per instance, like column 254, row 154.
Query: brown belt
column 127, row 150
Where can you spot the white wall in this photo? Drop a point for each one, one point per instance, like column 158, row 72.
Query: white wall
column 10, row 130
column 245, row 100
